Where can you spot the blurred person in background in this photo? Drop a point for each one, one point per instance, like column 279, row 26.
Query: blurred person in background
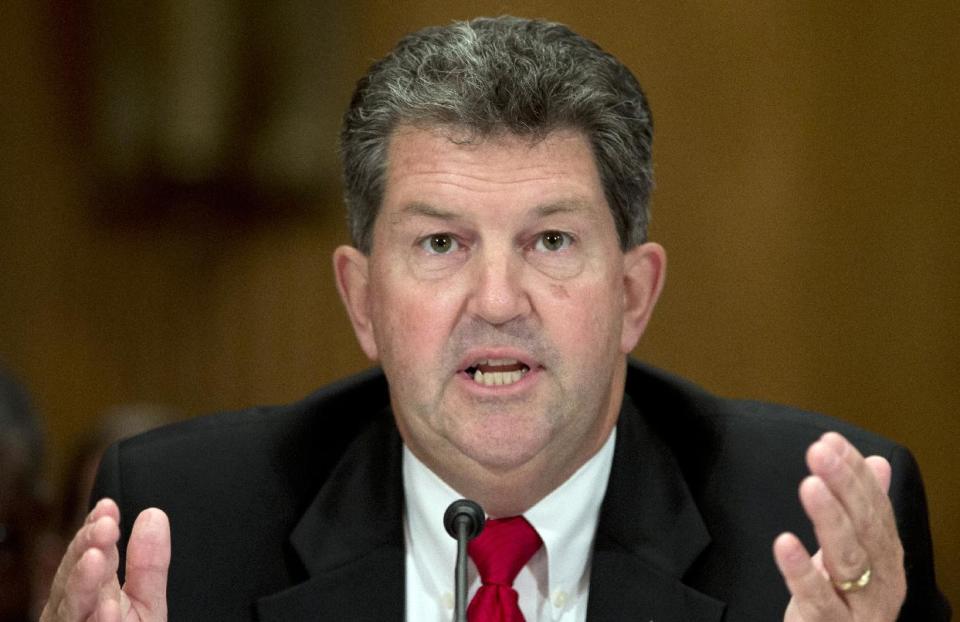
column 116, row 424
column 23, row 509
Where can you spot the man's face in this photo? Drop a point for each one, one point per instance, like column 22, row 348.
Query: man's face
column 495, row 299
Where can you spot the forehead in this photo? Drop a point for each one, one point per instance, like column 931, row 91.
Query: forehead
column 441, row 166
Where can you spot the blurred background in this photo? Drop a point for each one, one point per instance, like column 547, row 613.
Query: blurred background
column 171, row 197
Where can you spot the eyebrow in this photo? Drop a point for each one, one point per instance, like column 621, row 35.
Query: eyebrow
column 419, row 208
column 567, row 206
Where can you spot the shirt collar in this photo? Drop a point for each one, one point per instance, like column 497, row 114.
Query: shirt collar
column 566, row 519
column 426, row 498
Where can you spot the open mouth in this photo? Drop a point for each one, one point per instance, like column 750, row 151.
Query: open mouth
column 491, row 372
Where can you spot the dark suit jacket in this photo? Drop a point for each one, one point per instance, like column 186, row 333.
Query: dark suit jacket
column 296, row 513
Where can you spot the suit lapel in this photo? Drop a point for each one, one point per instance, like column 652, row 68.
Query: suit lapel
column 350, row 539
column 649, row 534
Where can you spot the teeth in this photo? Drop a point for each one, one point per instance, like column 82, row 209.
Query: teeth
column 497, row 377
column 497, row 362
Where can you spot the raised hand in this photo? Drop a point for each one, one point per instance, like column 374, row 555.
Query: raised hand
column 858, row 573
column 86, row 586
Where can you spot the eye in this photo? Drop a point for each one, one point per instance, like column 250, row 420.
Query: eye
column 553, row 241
column 439, row 244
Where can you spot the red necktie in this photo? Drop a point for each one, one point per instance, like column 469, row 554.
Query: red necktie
column 503, row 547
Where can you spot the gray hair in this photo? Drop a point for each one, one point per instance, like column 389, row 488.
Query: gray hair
column 491, row 75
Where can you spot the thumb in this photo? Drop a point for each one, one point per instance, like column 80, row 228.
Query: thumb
column 148, row 560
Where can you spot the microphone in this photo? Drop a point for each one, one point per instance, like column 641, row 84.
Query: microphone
column 463, row 520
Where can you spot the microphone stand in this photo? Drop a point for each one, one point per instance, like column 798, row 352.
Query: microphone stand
column 463, row 520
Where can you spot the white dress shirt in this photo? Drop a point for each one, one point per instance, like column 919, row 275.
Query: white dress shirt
column 552, row 586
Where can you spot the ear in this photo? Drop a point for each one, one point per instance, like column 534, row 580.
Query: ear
column 644, row 271
column 352, row 269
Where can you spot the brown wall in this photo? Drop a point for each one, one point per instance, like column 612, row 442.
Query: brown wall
column 807, row 163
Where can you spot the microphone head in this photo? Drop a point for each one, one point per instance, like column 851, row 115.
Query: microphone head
column 467, row 512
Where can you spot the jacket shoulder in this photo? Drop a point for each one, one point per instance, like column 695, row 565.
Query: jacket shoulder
column 324, row 421
column 682, row 410
column 234, row 485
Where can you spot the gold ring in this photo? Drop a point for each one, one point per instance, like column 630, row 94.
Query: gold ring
column 854, row 585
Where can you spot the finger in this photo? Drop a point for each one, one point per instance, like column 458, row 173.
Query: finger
column 82, row 588
column 148, row 560
column 881, row 471
column 894, row 579
column 109, row 611
column 100, row 532
column 859, row 485
column 84, row 539
column 854, row 485
column 110, row 590
column 855, row 467
column 103, row 507
column 843, row 556
column 813, row 596
column 817, row 560
column 838, row 464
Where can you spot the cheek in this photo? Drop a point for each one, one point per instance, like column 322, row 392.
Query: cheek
column 559, row 291
column 587, row 319
column 413, row 324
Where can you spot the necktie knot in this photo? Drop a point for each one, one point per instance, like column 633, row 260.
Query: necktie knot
column 503, row 547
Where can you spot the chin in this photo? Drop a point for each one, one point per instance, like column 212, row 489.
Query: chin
column 503, row 452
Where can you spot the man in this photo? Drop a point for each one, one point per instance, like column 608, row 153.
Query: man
column 497, row 177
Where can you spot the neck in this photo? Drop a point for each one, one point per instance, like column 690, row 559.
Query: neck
column 511, row 491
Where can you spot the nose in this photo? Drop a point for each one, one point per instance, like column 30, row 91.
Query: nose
column 499, row 294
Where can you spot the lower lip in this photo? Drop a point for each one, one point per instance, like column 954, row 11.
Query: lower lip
column 519, row 386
